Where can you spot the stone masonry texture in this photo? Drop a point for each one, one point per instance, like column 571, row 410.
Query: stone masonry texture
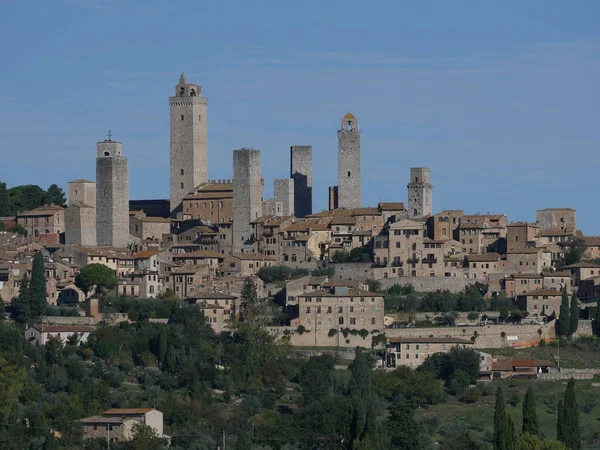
column 301, row 173
column 81, row 191
column 349, row 190
column 420, row 193
column 247, row 196
column 284, row 193
column 189, row 141
column 112, row 195
column 80, row 225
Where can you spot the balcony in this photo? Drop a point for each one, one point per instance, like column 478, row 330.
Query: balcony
column 413, row 260
column 396, row 263
column 429, row 260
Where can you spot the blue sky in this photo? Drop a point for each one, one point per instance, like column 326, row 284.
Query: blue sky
column 499, row 99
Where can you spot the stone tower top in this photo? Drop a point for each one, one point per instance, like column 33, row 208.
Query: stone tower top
column 420, row 175
column 349, row 123
column 185, row 89
column 109, row 149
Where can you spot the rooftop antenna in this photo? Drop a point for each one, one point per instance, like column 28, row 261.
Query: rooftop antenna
column 109, row 135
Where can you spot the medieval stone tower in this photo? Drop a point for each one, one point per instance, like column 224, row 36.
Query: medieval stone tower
column 420, row 193
column 189, row 145
column 112, row 195
column 301, row 173
column 80, row 215
column 284, row 193
column 349, row 193
column 247, row 196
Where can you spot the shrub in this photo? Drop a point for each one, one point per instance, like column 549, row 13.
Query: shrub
column 301, row 329
column 332, row 332
column 363, row 333
column 470, row 396
column 323, row 272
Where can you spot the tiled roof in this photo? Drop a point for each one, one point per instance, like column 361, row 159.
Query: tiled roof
column 343, row 220
column 126, row 411
column 486, row 257
column 524, row 250
column 46, row 210
column 549, row 292
column 583, row 265
column 253, row 256
column 391, row 206
column 212, row 296
column 561, row 273
column 198, row 254
column 64, row 328
column 556, row 209
column 146, row 254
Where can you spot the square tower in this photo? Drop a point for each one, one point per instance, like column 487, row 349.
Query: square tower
column 80, row 225
column 247, row 196
column 112, row 195
column 349, row 191
column 284, row 193
column 82, row 191
column 189, row 144
column 301, row 173
column 420, row 193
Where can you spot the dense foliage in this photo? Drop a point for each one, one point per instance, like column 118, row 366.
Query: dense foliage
column 280, row 273
column 24, row 198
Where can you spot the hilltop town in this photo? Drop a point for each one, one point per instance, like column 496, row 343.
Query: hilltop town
column 398, row 278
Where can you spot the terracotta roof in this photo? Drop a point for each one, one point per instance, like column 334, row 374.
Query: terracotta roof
column 102, row 419
column 343, row 220
column 198, row 254
column 555, row 232
column 366, row 211
column 46, row 210
column 591, row 240
column 561, row 273
column 503, row 365
column 64, row 328
column 126, row 411
column 521, row 224
column 391, row 206
column 146, row 254
column 526, row 275
column 212, row 296
column 524, row 250
column 319, row 227
column 253, row 256
column 470, row 225
column 188, row 269
column 583, row 265
column 212, row 187
column 348, row 293
column 79, row 205
column 362, row 233
column 530, row 362
column 428, row 340
column 154, row 219
column 549, row 292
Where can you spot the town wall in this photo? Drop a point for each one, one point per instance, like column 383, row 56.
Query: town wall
column 431, row 284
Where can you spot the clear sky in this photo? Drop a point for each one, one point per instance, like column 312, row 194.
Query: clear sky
column 499, row 99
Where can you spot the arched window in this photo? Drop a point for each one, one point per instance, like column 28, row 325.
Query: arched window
column 152, row 289
column 193, row 92
column 378, row 244
column 106, row 153
column 182, row 172
column 349, row 126
column 348, row 173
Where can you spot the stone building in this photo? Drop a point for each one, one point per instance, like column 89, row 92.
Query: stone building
column 117, row 425
column 521, row 234
column 220, row 309
column 349, row 190
column 112, row 195
column 301, row 173
column 144, row 227
column 540, row 302
column 284, row 193
column 247, row 196
column 81, row 191
column 272, row 207
column 412, row 351
column 189, row 141
column 557, row 219
column 420, row 193
column 444, row 225
column 80, row 225
column 44, row 221
column 210, row 202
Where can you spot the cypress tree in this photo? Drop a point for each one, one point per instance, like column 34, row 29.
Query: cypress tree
column 564, row 322
column 21, row 304
column 530, row 418
column 162, row 346
column 507, row 436
column 38, row 287
column 574, row 314
column 598, row 320
column 570, row 433
column 498, row 416
column 560, row 422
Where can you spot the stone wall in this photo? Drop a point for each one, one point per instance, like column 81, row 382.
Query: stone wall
column 567, row 374
column 354, row 271
column 322, row 339
column 80, row 225
column 488, row 336
column 584, row 328
column 419, row 193
column 301, row 173
column 430, row 284
column 349, row 190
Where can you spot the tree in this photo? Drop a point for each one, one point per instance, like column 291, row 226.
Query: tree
column 5, row 205
column 568, row 431
column 564, row 322
column 56, row 196
column 530, row 418
column 402, row 427
column 37, row 293
column 24, row 198
column 98, row 275
column 21, row 312
column 253, row 311
column 598, row 320
column 374, row 285
column 317, row 378
column 507, row 435
column 473, row 316
column 244, row 441
column 145, row 438
column 340, row 256
column 574, row 314
column 498, row 416
column 12, row 379
column 361, row 374
column 574, row 249
column 533, row 442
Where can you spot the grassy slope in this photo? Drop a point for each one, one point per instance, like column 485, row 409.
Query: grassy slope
column 570, row 357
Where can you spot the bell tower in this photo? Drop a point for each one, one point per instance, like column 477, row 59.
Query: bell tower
column 189, row 144
column 349, row 191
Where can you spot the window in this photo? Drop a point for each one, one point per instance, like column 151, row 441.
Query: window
column 372, row 320
column 199, row 118
column 352, row 321
column 397, row 244
column 182, row 117
column 308, row 310
column 341, row 321
column 182, row 172
column 182, row 185
column 318, row 310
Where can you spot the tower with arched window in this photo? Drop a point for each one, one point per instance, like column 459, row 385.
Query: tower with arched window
column 349, row 191
column 189, row 145
column 420, row 193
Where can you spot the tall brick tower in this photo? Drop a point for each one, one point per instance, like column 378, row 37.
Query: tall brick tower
column 349, row 193
column 247, row 196
column 189, row 145
column 112, row 195
column 420, row 193
column 301, row 173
